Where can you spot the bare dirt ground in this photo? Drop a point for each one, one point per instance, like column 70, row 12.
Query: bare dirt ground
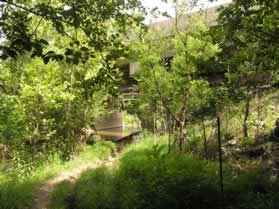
column 42, row 194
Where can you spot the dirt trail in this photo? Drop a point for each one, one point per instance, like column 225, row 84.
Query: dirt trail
column 42, row 194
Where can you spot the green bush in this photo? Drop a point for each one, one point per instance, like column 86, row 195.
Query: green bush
column 172, row 181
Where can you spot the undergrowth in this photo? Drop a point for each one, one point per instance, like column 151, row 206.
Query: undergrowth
column 148, row 178
column 60, row 197
column 16, row 192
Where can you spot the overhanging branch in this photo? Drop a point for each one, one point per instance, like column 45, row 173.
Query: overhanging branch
column 32, row 11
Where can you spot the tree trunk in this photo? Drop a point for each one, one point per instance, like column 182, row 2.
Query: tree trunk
column 33, row 150
column 245, row 119
column 169, row 133
column 220, row 160
column 181, row 137
column 154, row 125
column 180, row 140
column 204, row 140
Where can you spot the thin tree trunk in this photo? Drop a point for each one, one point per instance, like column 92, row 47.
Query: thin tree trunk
column 83, row 136
column 180, row 140
column 204, row 140
column 154, row 124
column 181, row 136
column 220, row 160
column 169, row 133
column 33, row 151
column 245, row 119
column 173, row 144
column 164, row 120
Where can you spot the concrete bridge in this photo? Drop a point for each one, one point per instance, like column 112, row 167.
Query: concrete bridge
column 112, row 127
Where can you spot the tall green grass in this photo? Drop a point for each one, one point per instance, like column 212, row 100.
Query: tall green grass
column 147, row 178
column 17, row 192
column 60, row 197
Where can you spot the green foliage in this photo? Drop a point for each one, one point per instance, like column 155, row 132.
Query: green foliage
column 247, row 34
column 16, row 192
column 131, row 121
column 60, row 195
column 147, row 178
column 172, row 87
column 173, row 90
column 88, row 28
column 45, row 107
column 246, row 142
column 95, row 190
column 12, row 119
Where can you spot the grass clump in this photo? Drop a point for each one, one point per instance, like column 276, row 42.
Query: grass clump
column 95, row 189
column 61, row 195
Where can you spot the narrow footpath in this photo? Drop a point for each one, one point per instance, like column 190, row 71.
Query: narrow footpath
column 42, row 194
